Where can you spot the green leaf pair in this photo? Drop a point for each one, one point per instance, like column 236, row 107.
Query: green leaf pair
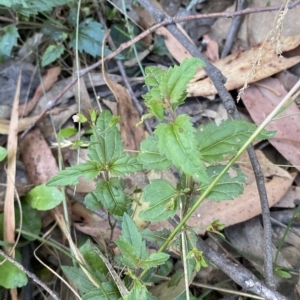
column 169, row 88
column 133, row 248
column 178, row 143
column 106, row 154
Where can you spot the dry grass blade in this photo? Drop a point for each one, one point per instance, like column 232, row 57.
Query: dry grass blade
column 62, row 224
column 9, row 208
column 9, row 211
column 122, row 288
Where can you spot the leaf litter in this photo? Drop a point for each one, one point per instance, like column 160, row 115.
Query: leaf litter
column 258, row 99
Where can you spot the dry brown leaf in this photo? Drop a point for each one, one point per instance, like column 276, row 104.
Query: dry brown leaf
column 91, row 224
column 242, row 208
column 12, row 146
column 260, row 100
column 132, row 136
column 113, row 106
column 267, row 167
column 212, row 48
column 40, row 163
column 287, row 78
column 145, row 21
column 22, row 124
column 47, row 81
column 248, row 238
column 236, row 67
column 174, row 46
column 59, row 118
column 37, row 157
column 290, row 199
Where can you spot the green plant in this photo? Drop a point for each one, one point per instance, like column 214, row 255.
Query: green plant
column 59, row 34
column 3, row 153
column 198, row 154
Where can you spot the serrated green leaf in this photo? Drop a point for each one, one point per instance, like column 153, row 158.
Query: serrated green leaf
column 91, row 201
column 159, row 193
column 3, row 153
column 107, row 145
column 220, row 143
column 109, row 291
column 129, row 254
column 155, row 259
column 54, row 29
column 150, row 157
column 131, row 235
column 106, row 148
column 43, row 197
column 8, row 40
column 177, row 79
column 153, row 76
column 11, row 276
column 28, row 8
column 79, row 278
column 52, row 53
column 125, row 164
column 139, row 291
column 177, row 142
column 90, row 37
column 94, row 261
column 111, row 195
column 90, row 170
column 155, row 103
column 229, row 186
column 156, row 237
column 31, row 220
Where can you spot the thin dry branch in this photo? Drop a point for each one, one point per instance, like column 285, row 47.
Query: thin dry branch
column 238, row 273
